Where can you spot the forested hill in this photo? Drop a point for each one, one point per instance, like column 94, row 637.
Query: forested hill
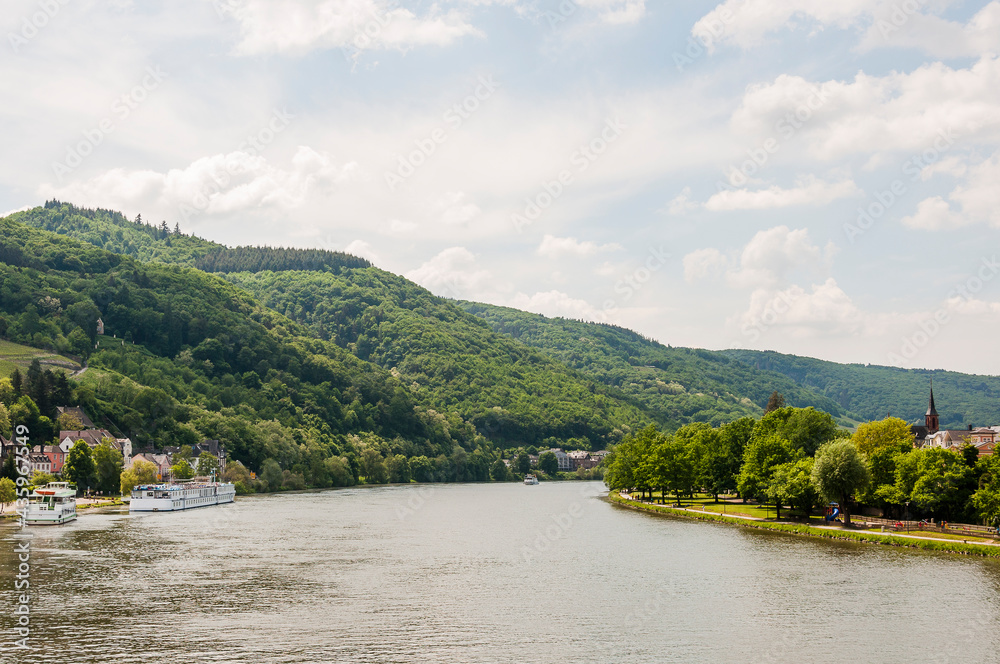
column 681, row 384
column 873, row 391
column 436, row 379
column 519, row 378
column 159, row 243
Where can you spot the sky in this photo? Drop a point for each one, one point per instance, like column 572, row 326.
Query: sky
column 808, row 177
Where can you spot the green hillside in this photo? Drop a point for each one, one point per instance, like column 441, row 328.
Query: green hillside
column 197, row 358
column 872, row 391
column 387, row 357
column 680, row 384
column 448, row 358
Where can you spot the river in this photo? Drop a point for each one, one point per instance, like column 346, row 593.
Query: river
column 483, row 573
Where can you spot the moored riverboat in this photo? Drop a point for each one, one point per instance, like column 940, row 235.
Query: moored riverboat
column 530, row 479
column 51, row 505
column 169, row 497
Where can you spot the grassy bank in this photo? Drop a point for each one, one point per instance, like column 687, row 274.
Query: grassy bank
column 983, row 550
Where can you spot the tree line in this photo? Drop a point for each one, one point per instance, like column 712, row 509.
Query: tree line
column 800, row 458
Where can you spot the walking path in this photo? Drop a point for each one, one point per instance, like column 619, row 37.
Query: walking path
column 839, row 528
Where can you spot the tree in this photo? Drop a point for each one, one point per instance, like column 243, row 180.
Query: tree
column 672, row 467
column 69, row 422
column 208, row 464
column 5, row 426
column 8, row 492
column 372, row 467
column 762, row 456
column 805, row 428
column 499, row 471
column 791, row 483
column 79, row 467
column 838, row 473
column 271, row 474
column 182, row 470
column 891, row 432
column 17, row 382
column 774, row 402
column 7, row 393
column 548, row 463
column 882, row 443
column 139, row 473
column 942, row 483
column 398, row 468
column 340, row 471
column 108, row 467
column 38, row 478
column 523, row 463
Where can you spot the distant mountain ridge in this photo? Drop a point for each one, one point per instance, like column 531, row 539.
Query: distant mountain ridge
column 504, row 369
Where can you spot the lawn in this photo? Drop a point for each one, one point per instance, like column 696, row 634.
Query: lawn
column 14, row 355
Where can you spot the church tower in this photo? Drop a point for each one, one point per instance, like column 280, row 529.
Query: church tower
column 931, row 418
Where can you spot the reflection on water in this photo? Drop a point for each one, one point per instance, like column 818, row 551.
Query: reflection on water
column 484, row 573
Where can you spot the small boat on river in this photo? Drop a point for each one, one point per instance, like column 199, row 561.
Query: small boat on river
column 51, row 505
column 530, row 479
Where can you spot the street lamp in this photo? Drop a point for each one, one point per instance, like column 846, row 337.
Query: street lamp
column 907, row 516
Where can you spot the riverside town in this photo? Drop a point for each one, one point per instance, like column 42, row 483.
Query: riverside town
column 555, row 331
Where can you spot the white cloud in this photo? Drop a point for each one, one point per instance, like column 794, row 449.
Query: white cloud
column 454, row 273
column 296, row 27
column 771, row 254
column 454, row 209
column 933, row 34
column 930, row 108
column 556, row 303
column 220, row 184
column 16, row 210
column 398, row 228
column 975, row 201
column 702, row 264
column 810, row 191
column 885, row 23
column 823, row 310
column 362, row 249
column 556, row 247
column 617, row 12
column 681, row 203
column 746, row 23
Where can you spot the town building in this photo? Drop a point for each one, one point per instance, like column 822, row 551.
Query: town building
column 984, row 439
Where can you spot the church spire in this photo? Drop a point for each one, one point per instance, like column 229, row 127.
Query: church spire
column 931, row 418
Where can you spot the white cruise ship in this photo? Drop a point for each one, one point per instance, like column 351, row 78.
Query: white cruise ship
column 50, row 505
column 176, row 497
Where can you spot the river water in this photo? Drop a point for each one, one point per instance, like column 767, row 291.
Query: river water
column 483, row 573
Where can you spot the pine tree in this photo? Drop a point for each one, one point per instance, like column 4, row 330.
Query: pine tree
column 775, row 402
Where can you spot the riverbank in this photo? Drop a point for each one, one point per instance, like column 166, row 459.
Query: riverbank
column 983, row 550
